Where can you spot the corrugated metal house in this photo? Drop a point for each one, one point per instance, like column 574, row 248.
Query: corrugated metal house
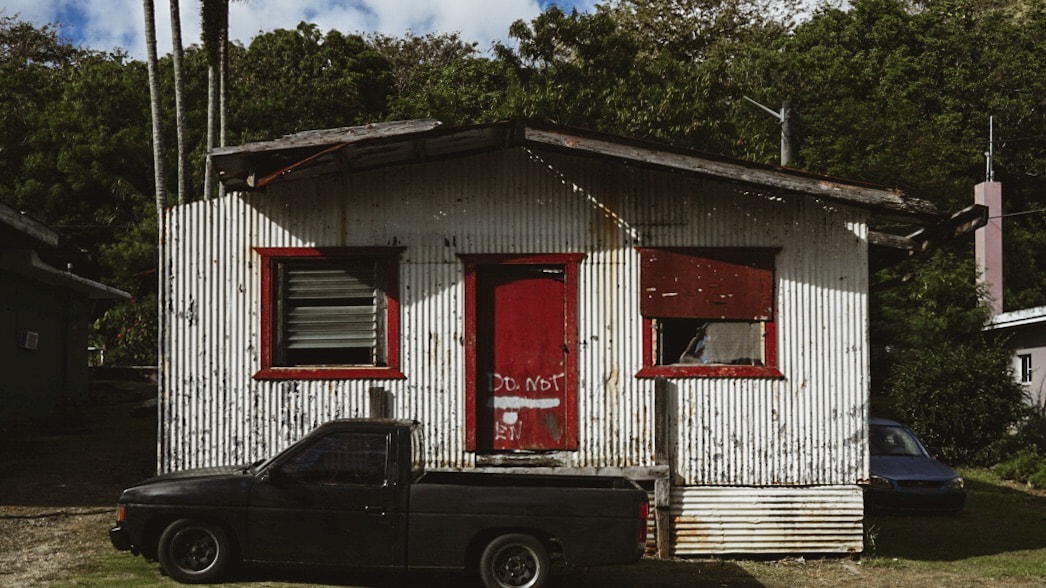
column 44, row 317
column 542, row 298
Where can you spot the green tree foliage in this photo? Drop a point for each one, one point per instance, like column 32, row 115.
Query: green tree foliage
column 443, row 77
column 887, row 91
column 660, row 69
column 128, row 332
column 960, row 397
column 294, row 80
column 32, row 66
column 692, row 55
column 573, row 68
column 76, row 144
column 938, row 301
column 902, row 97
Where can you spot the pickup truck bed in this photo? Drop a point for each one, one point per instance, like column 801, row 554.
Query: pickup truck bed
column 452, row 514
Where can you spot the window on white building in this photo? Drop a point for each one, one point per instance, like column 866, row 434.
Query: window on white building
column 1025, row 367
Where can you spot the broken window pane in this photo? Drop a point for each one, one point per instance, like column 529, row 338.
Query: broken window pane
column 703, row 342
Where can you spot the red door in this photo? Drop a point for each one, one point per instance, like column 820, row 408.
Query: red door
column 523, row 400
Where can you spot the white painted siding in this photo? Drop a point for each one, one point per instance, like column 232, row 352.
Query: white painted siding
column 804, row 429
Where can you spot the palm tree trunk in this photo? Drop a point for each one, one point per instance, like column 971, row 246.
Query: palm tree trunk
column 179, row 101
column 223, row 87
column 212, row 119
column 159, row 167
column 215, row 33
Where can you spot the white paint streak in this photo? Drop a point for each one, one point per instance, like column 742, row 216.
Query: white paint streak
column 519, row 402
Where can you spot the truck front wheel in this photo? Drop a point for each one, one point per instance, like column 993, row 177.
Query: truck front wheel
column 514, row 561
column 194, row 552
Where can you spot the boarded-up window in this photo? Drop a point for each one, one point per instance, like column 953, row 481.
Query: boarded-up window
column 707, row 308
column 329, row 313
column 725, row 284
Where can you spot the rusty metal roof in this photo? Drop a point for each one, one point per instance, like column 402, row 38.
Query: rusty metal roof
column 352, row 149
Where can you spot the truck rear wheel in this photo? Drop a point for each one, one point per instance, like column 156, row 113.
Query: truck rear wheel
column 514, row 561
column 194, row 552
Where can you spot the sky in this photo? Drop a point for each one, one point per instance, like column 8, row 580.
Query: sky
column 106, row 25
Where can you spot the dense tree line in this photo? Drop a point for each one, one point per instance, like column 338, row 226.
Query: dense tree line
column 894, row 92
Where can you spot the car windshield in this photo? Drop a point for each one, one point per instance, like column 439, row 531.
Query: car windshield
column 893, row 440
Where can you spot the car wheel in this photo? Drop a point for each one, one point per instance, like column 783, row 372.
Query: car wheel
column 514, row 561
column 194, row 552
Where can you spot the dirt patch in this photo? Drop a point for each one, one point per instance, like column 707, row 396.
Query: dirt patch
column 39, row 547
column 60, row 479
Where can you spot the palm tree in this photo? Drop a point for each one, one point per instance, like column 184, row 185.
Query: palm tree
column 159, row 166
column 215, row 33
column 179, row 102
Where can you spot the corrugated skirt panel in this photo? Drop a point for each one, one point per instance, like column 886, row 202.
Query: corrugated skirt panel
column 717, row 520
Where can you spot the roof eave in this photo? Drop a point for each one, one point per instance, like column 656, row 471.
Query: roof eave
column 354, row 149
column 26, row 262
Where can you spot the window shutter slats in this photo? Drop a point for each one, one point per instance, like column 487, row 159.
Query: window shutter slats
column 331, row 306
column 330, row 283
column 332, row 327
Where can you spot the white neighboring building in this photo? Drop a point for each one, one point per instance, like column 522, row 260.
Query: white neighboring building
column 1027, row 332
column 1024, row 328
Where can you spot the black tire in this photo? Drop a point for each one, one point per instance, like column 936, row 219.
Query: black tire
column 515, row 561
column 195, row 552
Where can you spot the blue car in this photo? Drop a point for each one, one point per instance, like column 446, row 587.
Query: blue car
column 905, row 477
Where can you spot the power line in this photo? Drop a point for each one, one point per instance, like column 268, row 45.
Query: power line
column 1021, row 213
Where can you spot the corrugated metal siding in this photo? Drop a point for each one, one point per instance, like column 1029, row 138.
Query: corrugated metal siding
column 804, row 429
column 722, row 520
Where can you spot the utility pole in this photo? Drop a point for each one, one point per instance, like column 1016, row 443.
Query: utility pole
column 788, row 147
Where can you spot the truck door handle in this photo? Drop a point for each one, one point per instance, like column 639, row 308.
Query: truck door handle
column 377, row 511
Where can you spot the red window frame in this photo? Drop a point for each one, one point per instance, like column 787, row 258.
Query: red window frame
column 734, row 265
column 390, row 255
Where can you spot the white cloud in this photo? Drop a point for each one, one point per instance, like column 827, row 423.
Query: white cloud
column 111, row 24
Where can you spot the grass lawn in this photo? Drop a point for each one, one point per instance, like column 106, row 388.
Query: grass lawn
column 1000, row 540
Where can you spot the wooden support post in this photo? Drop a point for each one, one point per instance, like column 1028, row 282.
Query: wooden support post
column 663, row 457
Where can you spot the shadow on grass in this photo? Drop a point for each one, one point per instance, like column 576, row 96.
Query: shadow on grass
column 649, row 573
column 997, row 519
column 83, row 458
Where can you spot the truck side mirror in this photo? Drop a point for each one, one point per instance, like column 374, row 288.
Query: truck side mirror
column 275, row 476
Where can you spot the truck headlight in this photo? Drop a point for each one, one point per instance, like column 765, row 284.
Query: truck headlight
column 956, row 483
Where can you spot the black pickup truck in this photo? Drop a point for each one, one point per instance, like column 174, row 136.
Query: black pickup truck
column 353, row 493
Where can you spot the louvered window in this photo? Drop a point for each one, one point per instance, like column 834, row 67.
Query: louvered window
column 330, row 313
